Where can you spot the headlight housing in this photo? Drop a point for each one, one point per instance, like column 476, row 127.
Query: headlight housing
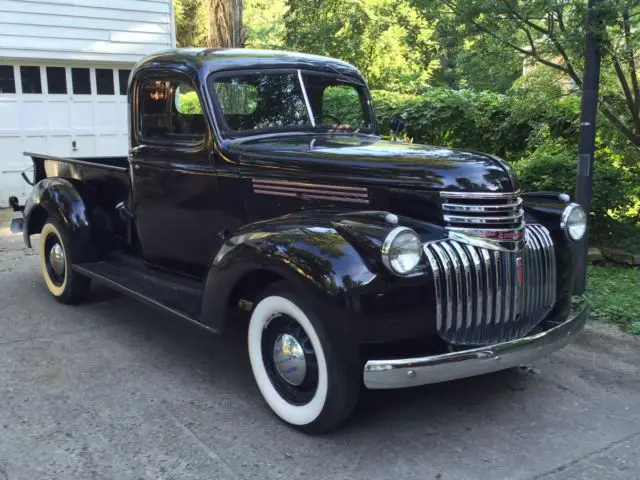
column 401, row 251
column 574, row 222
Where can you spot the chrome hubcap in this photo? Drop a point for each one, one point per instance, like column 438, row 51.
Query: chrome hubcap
column 56, row 259
column 289, row 359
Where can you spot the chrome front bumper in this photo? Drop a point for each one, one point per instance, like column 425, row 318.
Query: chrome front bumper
column 411, row 372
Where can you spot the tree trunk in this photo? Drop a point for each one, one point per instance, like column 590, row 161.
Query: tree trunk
column 225, row 24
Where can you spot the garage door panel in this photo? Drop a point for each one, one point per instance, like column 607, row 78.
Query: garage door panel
column 10, row 153
column 86, row 145
column 9, row 120
column 82, row 115
column 59, row 115
column 60, row 145
column 35, row 144
column 33, row 115
column 111, row 145
column 106, row 116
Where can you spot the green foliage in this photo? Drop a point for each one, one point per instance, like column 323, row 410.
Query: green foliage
column 612, row 293
column 264, row 20
column 548, row 34
column 386, row 39
column 191, row 22
column 552, row 167
column 189, row 104
column 469, row 119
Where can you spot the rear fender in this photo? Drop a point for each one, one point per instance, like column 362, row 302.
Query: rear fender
column 57, row 198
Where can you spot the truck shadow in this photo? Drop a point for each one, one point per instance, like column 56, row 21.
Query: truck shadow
column 223, row 360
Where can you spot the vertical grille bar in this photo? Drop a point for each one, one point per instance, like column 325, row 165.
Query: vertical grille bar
column 497, row 269
column 490, row 288
column 448, row 301
column 437, row 279
column 479, row 297
column 508, row 290
column 468, row 286
column 478, row 294
column 458, row 283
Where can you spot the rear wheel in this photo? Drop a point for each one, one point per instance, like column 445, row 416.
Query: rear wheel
column 304, row 380
column 56, row 255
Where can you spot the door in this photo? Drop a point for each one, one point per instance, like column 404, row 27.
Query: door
column 180, row 215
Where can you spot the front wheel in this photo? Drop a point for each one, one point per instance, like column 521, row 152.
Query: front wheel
column 301, row 376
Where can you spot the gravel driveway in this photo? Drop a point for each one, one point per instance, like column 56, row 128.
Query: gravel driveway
column 114, row 390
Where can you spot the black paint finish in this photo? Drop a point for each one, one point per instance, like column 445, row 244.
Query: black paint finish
column 306, row 206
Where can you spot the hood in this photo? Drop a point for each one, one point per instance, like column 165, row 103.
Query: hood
column 367, row 159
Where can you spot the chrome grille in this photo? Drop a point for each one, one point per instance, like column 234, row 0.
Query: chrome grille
column 485, row 219
column 486, row 296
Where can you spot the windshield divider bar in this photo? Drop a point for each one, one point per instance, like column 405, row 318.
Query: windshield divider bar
column 306, row 99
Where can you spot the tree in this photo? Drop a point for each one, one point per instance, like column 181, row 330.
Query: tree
column 225, row 24
column 550, row 33
column 191, row 23
column 209, row 23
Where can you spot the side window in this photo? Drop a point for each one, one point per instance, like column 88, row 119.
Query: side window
column 236, row 97
column 7, row 79
column 170, row 111
column 342, row 102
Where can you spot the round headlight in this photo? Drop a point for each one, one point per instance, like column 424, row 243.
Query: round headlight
column 574, row 222
column 401, row 251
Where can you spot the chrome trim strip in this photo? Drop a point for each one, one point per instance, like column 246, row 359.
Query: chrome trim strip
column 482, row 208
column 481, row 195
column 287, row 183
column 312, row 197
column 309, row 190
column 482, row 220
column 411, row 372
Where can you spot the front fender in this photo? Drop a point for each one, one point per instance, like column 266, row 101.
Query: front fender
column 317, row 259
column 60, row 199
column 336, row 262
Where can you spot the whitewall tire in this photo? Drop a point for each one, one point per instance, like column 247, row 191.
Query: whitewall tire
column 56, row 254
column 297, row 371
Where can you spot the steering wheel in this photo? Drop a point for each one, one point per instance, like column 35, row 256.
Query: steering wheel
column 329, row 115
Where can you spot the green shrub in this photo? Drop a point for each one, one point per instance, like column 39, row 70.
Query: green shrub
column 552, row 167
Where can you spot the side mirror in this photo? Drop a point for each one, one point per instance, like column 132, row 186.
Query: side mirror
column 396, row 123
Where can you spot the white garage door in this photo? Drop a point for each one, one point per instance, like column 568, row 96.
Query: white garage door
column 63, row 110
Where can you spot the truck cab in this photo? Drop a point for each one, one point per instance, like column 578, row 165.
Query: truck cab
column 257, row 180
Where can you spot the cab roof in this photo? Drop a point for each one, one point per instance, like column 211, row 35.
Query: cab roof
column 203, row 61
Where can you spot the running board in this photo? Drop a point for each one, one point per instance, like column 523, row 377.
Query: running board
column 176, row 295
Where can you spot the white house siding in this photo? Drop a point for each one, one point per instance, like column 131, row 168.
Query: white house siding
column 95, row 36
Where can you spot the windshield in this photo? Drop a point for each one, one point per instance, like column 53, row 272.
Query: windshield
column 264, row 102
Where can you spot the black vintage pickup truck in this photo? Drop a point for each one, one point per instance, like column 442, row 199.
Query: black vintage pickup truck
column 256, row 179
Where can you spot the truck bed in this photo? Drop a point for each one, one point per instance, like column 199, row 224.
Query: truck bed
column 102, row 180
